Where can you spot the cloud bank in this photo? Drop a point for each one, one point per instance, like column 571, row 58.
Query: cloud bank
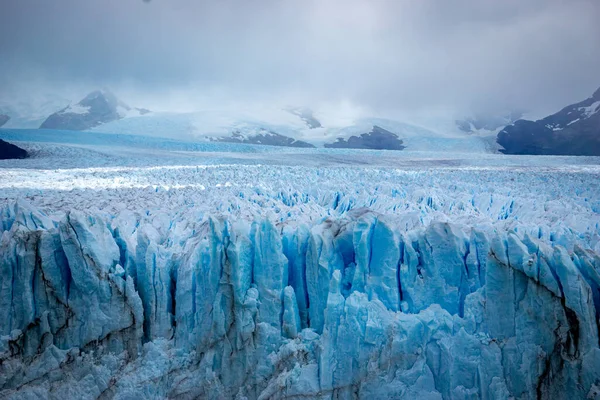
column 387, row 56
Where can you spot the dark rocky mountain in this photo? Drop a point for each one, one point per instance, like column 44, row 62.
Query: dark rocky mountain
column 3, row 119
column 377, row 139
column 96, row 108
column 265, row 138
column 487, row 122
column 10, row 151
column 574, row 130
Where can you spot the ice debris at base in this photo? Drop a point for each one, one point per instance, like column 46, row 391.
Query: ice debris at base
column 347, row 306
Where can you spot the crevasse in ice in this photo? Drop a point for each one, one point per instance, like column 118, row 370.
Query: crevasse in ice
column 351, row 306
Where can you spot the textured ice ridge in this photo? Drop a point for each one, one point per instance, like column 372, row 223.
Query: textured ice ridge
column 349, row 307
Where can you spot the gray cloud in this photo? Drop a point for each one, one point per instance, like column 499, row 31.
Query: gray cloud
column 386, row 55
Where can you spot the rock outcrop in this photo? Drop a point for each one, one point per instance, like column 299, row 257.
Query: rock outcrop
column 10, row 151
column 377, row 139
column 263, row 137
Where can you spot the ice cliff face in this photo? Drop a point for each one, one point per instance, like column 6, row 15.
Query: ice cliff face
column 345, row 307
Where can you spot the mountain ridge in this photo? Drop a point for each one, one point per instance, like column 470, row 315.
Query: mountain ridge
column 574, row 130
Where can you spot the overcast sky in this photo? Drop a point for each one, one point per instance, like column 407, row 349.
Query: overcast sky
column 382, row 55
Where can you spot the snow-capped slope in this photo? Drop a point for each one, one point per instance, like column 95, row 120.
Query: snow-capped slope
column 250, row 272
column 97, row 108
column 29, row 113
column 252, row 125
column 574, row 130
column 574, row 113
column 486, row 124
column 414, row 137
column 220, row 125
column 101, row 111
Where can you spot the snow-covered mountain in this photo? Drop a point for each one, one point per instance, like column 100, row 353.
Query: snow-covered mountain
column 28, row 112
column 97, row 108
column 281, row 127
column 574, row 130
column 270, row 126
column 101, row 111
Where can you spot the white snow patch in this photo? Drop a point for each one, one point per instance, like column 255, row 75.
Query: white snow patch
column 76, row 109
column 554, row 127
column 590, row 110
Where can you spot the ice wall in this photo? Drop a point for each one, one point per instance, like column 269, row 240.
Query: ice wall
column 342, row 308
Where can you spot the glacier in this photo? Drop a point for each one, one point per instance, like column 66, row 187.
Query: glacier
column 438, row 278
column 346, row 308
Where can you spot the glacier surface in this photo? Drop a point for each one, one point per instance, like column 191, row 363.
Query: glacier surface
column 258, row 275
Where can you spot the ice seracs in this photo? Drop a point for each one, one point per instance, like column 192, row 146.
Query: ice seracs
column 347, row 306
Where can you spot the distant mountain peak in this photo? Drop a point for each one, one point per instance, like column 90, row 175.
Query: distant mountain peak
column 98, row 107
column 100, row 95
column 596, row 95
